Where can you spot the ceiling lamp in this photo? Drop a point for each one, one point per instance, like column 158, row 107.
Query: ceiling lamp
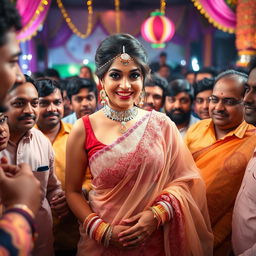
column 158, row 29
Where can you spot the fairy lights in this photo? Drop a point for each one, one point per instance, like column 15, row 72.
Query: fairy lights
column 162, row 6
column 202, row 10
column 72, row 25
column 39, row 9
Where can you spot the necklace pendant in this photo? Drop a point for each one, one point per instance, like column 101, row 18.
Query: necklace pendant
column 123, row 127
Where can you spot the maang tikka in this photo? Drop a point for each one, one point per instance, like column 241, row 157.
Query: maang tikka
column 125, row 57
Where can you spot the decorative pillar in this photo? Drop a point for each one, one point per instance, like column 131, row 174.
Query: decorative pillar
column 246, row 31
column 207, row 55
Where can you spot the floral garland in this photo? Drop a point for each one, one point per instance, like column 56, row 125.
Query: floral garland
column 232, row 4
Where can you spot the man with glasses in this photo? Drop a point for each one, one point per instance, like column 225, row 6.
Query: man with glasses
column 27, row 144
column 203, row 90
column 221, row 147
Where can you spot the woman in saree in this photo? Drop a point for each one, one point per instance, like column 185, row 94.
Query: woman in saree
column 147, row 196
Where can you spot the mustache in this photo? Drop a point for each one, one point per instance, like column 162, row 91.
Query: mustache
column 177, row 109
column 51, row 114
column 220, row 112
column 25, row 116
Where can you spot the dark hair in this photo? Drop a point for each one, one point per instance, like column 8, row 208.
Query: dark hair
column 163, row 54
column 190, row 71
column 180, row 85
column 208, row 70
column 165, row 66
column 28, row 79
column 156, row 80
column 231, row 73
column 9, row 19
column 88, row 68
column 51, row 72
column 37, row 75
column 203, row 85
column 47, row 86
column 112, row 46
column 252, row 64
column 63, row 84
column 76, row 84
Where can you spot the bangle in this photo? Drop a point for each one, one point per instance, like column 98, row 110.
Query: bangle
column 24, row 208
column 156, row 216
column 162, row 211
column 107, row 236
column 26, row 213
column 97, row 229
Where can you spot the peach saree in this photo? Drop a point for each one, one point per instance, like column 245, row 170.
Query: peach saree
column 150, row 161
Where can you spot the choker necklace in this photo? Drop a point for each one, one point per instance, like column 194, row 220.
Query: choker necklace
column 120, row 116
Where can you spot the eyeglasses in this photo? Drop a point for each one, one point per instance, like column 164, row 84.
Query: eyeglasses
column 225, row 101
column 3, row 120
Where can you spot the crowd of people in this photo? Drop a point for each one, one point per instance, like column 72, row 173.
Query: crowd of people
column 141, row 162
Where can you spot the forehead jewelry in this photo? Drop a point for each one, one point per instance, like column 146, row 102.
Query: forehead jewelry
column 120, row 116
column 125, row 57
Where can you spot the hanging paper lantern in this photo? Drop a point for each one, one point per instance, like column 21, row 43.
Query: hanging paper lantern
column 157, row 29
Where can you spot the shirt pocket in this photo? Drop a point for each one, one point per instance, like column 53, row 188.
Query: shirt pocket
column 42, row 174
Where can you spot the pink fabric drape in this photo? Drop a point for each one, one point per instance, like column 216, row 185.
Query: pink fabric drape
column 218, row 13
column 148, row 162
column 30, row 20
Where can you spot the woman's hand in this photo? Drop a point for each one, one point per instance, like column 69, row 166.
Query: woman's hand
column 115, row 238
column 144, row 224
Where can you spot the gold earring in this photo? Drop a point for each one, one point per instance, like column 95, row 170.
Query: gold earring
column 141, row 99
column 103, row 97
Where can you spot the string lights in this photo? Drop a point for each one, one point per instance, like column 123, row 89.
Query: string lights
column 39, row 9
column 201, row 8
column 72, row 25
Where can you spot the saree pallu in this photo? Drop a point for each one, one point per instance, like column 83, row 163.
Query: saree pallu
column 222, row 166
column 150, row 160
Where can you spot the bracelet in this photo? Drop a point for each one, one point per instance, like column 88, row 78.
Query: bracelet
column 26, row 213
column 97, row 229
column 162, row 211
column 24, row 208
column 156, row 216
column 108, row 235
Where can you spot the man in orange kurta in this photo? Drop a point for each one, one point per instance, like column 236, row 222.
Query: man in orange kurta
column 221, row 147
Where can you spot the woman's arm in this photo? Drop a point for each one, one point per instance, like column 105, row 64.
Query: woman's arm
column 76, row 164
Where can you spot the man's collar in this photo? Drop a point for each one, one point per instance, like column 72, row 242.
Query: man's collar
column 239, row 131
column 26, row 137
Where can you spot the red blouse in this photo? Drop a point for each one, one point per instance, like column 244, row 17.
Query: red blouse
column 92, row 145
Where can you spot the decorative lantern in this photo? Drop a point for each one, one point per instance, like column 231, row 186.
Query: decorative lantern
column 157, row 29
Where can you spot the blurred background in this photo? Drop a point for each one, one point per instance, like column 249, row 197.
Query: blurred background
column 64, row 34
